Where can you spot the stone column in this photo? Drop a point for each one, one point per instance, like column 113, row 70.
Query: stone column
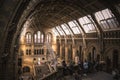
column 32, row 47
column 73, row 53
column 84, row 54
column 66, row 53
column 60, row 51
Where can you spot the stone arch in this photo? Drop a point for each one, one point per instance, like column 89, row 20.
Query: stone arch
column 92, row 52
column 113, row 54
column 28, row 33
column 108, row 49
column 50, row 35
column 115, row 60
column 79, row 51
column 26, row 69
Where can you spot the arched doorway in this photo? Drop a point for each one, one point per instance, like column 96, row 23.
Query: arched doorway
column 89, row 56
column 115, row 56
column 98, row 57
column 26, row 69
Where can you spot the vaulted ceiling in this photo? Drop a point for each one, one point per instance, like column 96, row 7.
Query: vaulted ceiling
column 47, row 13
column 44, row 14
column 50, row 13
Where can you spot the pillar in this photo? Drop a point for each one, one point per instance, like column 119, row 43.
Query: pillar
column 73, row 53
column 66, row 53
column 61, row 52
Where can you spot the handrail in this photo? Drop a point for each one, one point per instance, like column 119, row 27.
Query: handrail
column 48, row 75
column 52, row 76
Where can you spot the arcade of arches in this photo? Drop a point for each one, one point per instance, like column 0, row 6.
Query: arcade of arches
column 32, row 32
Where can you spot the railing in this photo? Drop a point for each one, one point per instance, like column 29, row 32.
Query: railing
column 52, row 76
column 57, row 75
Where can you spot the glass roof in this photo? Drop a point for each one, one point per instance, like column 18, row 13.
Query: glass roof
column 74, row 27
column 66, row 29
column 106, row 19
column 59, row 29
column 55, row 32
column 87, row 24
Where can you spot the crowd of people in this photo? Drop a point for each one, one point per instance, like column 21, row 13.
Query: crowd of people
column 83, row 68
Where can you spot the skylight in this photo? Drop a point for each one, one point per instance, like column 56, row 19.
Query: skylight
column 87, row 24
column 59, row 29
column 55, row 32
column 73, row 25
column 106, row 19
column 66, row 29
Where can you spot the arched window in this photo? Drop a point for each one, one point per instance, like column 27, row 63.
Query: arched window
column 38, row 34
column 28, row 51
column 35, row 51
column 39, row 37
column 49, row 38
column 28, row 38
column 35, row 38
column 42, row 38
